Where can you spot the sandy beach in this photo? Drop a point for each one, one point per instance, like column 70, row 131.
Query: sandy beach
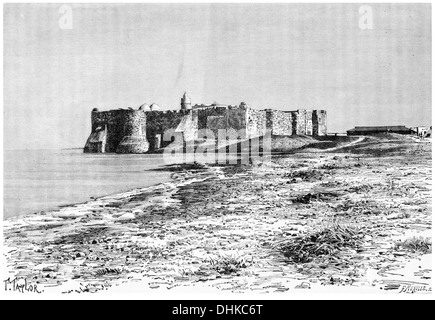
column 246, row 228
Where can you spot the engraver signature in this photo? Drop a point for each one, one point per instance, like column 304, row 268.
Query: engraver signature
column 414, row 288
column 20, row 285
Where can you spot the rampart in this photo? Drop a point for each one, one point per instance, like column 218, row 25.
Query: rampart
column 146, row 130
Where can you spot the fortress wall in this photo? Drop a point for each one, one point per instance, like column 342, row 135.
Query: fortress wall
column 103, row 118
column 203, row 114
column 157, row 122
column 190, row 130
column 255, row 122
column 96, row 142
column 135, row 123
column 302, row 122
column 279, row 122
column 236, row 118
column 299, row 118
column 295, row 119
column 269, row 120
column 219, row 118
column 309, row 123
column 215, row 124
column 319, row 123
column 315, row 123
column 112, row 128
column 134, row 133
column 137, row 131
column 113, row 122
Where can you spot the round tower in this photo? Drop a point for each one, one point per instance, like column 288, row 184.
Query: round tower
column 185, row 102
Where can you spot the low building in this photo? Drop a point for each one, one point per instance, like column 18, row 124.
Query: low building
column 422, row 131
column 366, row 131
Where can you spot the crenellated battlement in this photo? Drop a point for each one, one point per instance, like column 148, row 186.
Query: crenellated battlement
column 138, row 131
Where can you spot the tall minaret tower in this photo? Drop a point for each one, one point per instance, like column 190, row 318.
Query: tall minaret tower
column 185, row 102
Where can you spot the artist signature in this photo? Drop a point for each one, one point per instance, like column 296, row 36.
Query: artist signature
column 412, row 288
column 20, row 285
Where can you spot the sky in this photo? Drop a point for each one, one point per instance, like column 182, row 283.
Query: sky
column 282, row 56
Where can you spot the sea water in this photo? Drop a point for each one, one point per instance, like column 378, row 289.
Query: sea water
column 36, row 180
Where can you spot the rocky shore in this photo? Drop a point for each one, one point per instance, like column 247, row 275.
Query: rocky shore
column 355, row 218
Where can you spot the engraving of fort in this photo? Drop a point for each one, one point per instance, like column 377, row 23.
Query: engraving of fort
column 142, row 130
column 212, row 151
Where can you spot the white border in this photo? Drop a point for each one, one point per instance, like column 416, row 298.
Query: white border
column 300, row 295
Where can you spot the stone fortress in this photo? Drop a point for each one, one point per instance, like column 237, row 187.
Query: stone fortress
column 146, row 129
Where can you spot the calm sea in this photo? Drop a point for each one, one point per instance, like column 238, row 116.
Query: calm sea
column 35, row 180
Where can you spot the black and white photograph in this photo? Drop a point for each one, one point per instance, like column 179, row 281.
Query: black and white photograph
column 217, row 151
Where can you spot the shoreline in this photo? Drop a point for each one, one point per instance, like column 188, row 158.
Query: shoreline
column 124, row 194
column 35, row 182
column 222, row 227
column 91, row 198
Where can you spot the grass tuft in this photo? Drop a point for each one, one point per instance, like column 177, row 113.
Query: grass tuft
column 328, row 241
column 228, row 264
column 415, row 244
column 108, row 271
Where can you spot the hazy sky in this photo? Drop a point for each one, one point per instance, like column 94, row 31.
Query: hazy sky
column 284, row 56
